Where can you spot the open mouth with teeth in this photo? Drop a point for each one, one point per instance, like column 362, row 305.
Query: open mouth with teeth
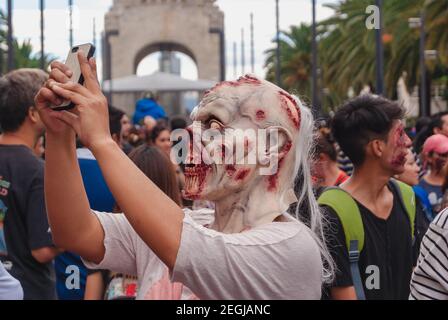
column 195, row 177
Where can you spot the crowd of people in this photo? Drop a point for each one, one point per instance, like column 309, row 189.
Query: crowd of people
column 93, row 205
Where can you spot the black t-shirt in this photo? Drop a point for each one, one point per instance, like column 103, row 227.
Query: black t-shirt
column 388, row 248
column 26, row 226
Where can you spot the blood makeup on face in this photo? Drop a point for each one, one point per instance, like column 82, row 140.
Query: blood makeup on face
column 273, row 180
column 243, row 80
column 439, row 163
column 260, row 115
column 400, row 146
column 286, row 100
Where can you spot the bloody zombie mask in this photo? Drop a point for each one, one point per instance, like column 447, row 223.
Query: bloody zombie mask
column 244, row 135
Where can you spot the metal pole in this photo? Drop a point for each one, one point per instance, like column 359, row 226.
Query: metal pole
column 223, row 59
column 235, row 60
column 379, row 52
column 10, row 39
column 42, row 35
column 1, row 61
column 277, row 67
column 314, row 89
column 94, row 32
column 252, row 45
column 109, row 67
column 70, row 3
column 243, row 56
column 423, row 89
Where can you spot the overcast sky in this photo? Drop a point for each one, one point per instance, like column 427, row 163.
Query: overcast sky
column 237, row 16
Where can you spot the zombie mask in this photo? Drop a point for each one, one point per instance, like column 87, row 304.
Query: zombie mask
column 243, row 136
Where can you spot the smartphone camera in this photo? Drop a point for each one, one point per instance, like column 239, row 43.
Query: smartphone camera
column 75, row 49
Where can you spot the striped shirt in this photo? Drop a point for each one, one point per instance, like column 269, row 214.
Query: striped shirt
column 430, row 278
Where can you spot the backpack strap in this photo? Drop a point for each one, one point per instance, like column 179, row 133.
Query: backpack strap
column 407, row 198
column 354, row 269
column 348, row 212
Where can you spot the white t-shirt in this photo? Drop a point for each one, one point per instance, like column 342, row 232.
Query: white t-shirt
column 279, row 260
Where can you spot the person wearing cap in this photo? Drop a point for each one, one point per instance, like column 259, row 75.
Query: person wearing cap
column 435, row 156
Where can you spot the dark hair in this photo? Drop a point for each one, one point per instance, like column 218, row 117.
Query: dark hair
column 362, row 120
column 437, row 120
column 421, row 123
column 325, row 145
column 157, row 167
column 158, row 129
column 17, row 91
column 428, row 130
column 115, row 116
column 178, row 123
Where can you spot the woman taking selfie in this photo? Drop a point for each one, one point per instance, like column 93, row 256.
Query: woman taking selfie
column 252, row 249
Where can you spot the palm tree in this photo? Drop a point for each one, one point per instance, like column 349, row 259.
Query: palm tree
column 23, row 52
column 295, row 66
column 437, row 15
column 347, row 48
column 24, row 57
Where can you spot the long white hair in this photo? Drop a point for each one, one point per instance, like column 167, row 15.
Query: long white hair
column 306, row 198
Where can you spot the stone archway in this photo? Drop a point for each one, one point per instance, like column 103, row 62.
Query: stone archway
column 135, row 28
column 160, row 47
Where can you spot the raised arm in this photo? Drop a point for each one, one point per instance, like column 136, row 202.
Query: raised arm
column 154, row 216
column 73, row 226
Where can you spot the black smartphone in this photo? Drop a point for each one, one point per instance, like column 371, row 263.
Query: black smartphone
column 73, row 63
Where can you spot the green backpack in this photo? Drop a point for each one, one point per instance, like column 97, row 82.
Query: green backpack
column 349, row 215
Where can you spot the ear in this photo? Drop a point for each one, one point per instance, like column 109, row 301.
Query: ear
column 33, row 115
column 375, row 148
column 276, row 145
column 436, row 130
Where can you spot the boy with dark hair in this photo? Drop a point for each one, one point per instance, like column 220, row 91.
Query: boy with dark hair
column 29, row 244
column 372, row 216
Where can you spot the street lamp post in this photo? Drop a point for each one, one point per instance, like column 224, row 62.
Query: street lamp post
column 243, row 54
column 277, row 64
column 423, row 65
column 3, row 49
column 235, row 62
column 42, row 36
column 252, row 45
column 314, row 89
column 10, row 39
column 420, row 23
column 379, row 52
column 70, row 7
column 94, row 32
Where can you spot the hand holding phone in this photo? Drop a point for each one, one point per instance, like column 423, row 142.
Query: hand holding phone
column 72, row 63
